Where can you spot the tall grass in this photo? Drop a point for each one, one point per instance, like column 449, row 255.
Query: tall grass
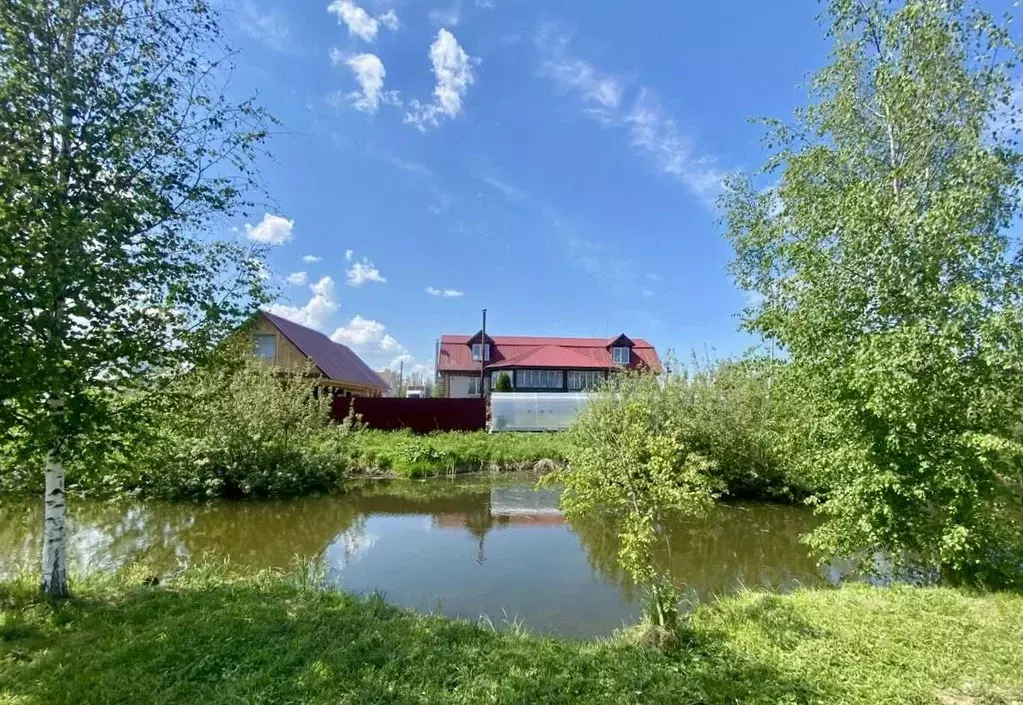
column 212, row 636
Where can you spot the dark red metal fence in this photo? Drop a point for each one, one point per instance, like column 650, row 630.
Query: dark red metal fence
column 417, row 415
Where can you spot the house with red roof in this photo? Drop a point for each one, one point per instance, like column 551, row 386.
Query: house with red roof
column 292, row 347
column 535, row 364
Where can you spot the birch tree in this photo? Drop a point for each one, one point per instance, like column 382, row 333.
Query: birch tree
column 120, row 154
column 885, row 269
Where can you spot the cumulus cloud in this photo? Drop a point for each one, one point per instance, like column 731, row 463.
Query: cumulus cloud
column 348, row 255
column 446, row 293
column 317, row 311
column 310, row 259
column 359, row 22
column 272, row 230
column 369, row 74
column 452, row 68
column 297, row 279
column 370, row 340
column 361, row 272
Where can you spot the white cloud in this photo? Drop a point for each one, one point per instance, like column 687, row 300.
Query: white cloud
column 359, row 22
column 452, row 67
column 268, row 27
column 272, row 230
column 370, row 340
column 389, row 20
column 510, row 192
column 297, row 278
column 659, row 137
column 310, row 259
column 348, row 255
column 572, row 73
column 361, row 272
column 408, row 165
column 652, row 132
column 484, row 4
column 446, row 16
column 446, row 293
column 317, row 311
column 369, row 73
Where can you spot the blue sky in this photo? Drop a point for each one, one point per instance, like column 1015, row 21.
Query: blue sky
column 553, row 162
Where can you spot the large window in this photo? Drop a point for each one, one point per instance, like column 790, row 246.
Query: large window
column 480, row 352
column 494, row 376
column 586, row 379
column 539, row 379
column 474, row 386
column 266, row 347
column 621, row 355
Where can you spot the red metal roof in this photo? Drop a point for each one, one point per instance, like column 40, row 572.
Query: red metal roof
column 455, row 354
column 550, row 356
column 336, row 361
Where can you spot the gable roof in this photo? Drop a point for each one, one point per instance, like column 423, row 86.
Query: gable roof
column 337, row 362
column 507, row 351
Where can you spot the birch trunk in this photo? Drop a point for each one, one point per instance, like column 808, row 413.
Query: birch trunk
column 54, row 530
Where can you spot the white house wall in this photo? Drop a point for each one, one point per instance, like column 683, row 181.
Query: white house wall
column 460, row 387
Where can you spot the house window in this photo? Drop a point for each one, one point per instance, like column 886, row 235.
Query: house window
column 581, row 380
column 620, row 355
column 494, row 376
column 480, row 352
column 539, row 379
column 474, row 386
column 266, row 347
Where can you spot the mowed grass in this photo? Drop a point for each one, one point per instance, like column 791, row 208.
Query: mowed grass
column 212, row 637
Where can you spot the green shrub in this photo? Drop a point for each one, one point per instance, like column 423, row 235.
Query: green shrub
column 632, row 463
column 504, row 383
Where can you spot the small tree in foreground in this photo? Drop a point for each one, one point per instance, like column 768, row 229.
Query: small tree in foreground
column 629, row 463
column 886, row 274
column 118, row 147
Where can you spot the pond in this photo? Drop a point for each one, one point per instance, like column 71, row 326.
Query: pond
column 463, row 547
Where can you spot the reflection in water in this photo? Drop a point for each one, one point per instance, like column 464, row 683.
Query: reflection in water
column 463, row 547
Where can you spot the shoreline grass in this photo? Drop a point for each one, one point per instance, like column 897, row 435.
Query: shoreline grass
column 214, row 636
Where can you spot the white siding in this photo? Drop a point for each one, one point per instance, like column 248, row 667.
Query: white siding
column 459, row 387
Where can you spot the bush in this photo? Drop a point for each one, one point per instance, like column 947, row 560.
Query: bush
column 245, row 430
column 504, row 383
column 742, row 414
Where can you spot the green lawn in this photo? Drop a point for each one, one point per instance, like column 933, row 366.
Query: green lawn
column 264, row 638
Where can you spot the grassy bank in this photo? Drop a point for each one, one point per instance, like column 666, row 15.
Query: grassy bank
column 209, row 637
column 408, row 455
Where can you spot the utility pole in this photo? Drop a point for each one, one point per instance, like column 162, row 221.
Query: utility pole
column 401, row 376
column 483, row 353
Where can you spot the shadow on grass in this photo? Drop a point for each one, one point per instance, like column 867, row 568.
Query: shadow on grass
column 241, row 642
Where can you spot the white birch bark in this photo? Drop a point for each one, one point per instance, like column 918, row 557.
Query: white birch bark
column 54, row 530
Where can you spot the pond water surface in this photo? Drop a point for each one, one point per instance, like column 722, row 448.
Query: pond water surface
column 464, row 547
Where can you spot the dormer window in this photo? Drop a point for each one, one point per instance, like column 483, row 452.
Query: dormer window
column 481, row 352
column 621, row 355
